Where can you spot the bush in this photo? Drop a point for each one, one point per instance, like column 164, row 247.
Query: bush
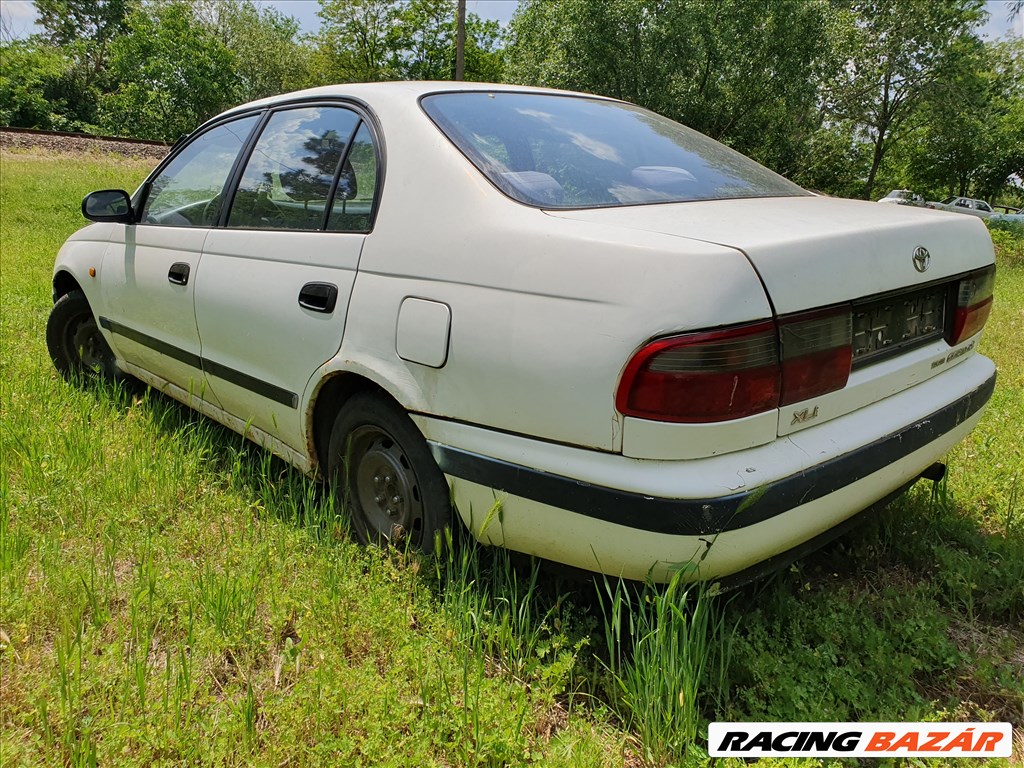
column 1008, row 239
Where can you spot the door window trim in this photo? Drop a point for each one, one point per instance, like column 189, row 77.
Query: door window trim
column 363, row 112
column 365, row 117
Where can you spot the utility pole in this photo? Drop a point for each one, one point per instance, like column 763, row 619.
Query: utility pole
column 460, row 41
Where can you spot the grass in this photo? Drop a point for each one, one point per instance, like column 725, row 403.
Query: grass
column 170, row 594
column 668, row 653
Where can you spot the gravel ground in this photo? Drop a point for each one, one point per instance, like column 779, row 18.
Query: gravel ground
column 76, row 145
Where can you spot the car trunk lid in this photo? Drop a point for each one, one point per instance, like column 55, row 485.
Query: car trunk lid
column 817, row 251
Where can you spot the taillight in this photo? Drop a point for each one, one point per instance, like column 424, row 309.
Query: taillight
column 702, row 377
column 817, row 352
column 739, row 371
column 973, row 304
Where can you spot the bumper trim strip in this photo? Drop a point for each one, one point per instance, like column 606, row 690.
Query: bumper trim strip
column 707, row 517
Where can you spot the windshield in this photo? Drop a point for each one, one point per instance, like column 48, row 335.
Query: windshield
column 572, row 152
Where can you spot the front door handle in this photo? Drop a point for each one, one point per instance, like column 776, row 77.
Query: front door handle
column 178, row 273
column 318, row 297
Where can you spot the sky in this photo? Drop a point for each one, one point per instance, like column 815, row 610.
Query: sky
column 19, row 15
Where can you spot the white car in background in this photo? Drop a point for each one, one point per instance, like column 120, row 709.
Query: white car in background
column 903, row 197
column 648, row 350
column 967, row 205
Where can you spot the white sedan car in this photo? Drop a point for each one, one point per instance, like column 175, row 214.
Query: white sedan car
column 588, row 332
column 903, row 197
column 967, row 205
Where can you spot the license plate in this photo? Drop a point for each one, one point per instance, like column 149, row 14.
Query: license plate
column 898, row 323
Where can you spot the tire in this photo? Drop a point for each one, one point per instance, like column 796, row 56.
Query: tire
column 75, row 343
column 385, row 477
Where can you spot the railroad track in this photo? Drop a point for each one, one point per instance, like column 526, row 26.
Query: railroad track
column 64, row 142
column 88, row 136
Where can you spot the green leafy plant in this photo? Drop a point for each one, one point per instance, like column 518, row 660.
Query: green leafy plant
column 668, row 655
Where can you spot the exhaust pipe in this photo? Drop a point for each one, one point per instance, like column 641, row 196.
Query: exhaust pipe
column 935, row 472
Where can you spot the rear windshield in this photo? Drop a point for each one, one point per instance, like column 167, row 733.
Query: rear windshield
column 573, row 152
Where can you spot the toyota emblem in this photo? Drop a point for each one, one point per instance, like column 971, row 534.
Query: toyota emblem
column 921, row 258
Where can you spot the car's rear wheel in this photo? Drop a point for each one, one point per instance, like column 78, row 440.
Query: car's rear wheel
column 391, row 486
column 75, row 343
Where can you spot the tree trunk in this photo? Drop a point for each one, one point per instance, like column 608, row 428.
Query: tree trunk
column 876, row 162
column 460, row 41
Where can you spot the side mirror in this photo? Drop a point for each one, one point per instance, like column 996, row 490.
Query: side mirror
column 108, row 205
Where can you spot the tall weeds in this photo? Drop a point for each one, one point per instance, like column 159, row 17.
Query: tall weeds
column 668, row 654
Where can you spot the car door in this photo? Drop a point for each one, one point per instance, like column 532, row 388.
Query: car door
column 149, row 269
column 274, row 283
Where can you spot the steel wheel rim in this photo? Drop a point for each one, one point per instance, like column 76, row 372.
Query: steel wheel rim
column 86, row 345
column 384, row 486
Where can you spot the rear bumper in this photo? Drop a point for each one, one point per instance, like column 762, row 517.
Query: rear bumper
column 657, row 517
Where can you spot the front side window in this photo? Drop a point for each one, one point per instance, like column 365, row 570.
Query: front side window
column 573, row 152
column 187, row 192
column 288, row 179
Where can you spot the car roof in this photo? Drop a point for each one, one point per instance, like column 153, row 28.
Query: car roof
column 404, row 90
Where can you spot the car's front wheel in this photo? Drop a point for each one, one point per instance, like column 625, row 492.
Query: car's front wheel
column 391, row 486
column 75, row 343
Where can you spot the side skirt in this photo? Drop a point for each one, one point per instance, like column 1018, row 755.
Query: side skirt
column 258, row 436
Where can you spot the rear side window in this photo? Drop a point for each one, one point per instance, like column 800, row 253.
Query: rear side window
column 357, row 186
column 557, row 151
column 289, row 177
column 187, row 192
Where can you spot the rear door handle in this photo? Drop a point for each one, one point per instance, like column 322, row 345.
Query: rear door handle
column 318, row 297
column 178, row 273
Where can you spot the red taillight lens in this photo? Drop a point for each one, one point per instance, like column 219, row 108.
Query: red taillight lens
column 816, row 353
column 736, row 372
column 973, row 304
column 703, row 377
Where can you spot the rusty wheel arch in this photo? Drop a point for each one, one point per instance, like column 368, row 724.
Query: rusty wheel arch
column 331, row 394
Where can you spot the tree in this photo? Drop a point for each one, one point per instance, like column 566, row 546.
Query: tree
column 84, row 28
column 66, row 22
column 172, row 74
column 371, row 40
column 80, row 31
column 895, row 53
column 267, row 57
column 423, row 42
column 352, row 45
column 741, row 71
column 31, row 78
column 948, row 138
column 1005, row 125
column 832, row 160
